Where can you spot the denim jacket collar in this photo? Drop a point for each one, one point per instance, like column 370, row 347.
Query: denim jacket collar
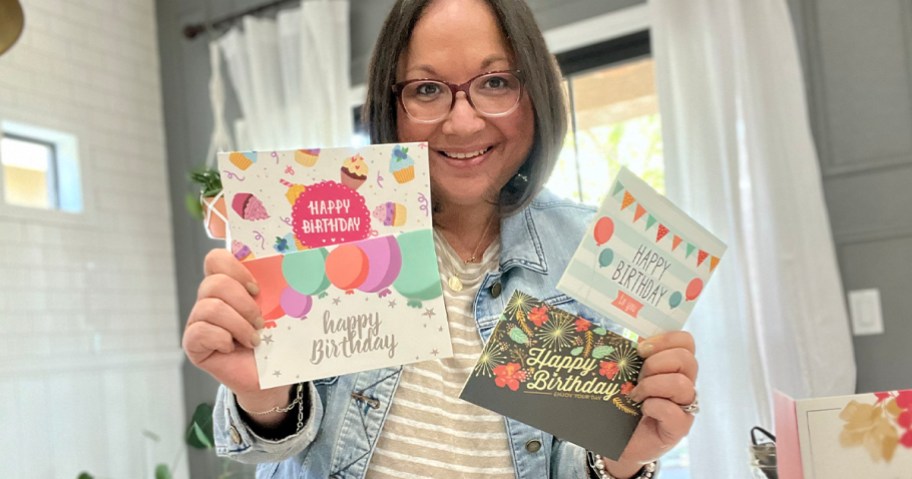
column 520, row 243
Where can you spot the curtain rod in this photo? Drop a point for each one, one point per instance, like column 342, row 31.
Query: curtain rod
column 193, row 30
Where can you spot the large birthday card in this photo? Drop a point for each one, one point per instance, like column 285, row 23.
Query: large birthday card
column 340, row 242
column 643, row 262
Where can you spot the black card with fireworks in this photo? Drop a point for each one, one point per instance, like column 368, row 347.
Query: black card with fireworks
column 560, row 373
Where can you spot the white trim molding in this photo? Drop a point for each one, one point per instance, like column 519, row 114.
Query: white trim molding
column 598, row 29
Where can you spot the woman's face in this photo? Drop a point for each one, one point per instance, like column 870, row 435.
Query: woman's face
column 471, row 156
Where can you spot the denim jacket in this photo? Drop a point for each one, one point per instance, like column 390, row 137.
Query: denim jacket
column 347, row 412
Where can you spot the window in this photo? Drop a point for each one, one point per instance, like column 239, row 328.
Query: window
column 39, row 168
column 614, row 122
column 614, row 118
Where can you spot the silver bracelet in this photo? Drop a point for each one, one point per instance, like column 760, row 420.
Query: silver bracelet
column 597, row 463
column 298, row 401
column 277, row 409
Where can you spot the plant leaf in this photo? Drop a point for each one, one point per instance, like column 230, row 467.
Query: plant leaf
column 85, row 475
column 162, row 472
column 600, row 331
column 576, row 351
column 518, row 336
column 602, row 351
column 199, row 431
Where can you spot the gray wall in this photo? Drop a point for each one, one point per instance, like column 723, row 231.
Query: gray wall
column 188, row 123
column 858, row 56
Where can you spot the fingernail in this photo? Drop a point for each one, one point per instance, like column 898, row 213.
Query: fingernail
column 259, row 323
column 645, row 348
column 253, row 289
column 634, row 394
column 255, row 339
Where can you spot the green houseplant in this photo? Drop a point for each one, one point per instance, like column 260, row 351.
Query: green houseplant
column 209, row 205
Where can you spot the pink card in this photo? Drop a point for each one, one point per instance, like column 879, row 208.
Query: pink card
column 788, row 456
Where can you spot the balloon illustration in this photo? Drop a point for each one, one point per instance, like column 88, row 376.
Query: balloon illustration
column 295, row 304
column 416, row 281
column 606, row 257
column 694, row 289
column 384, row 264
column 675, row 299
column 304, row 271
column 604, row 228
column 347, row 267
column 267, row 273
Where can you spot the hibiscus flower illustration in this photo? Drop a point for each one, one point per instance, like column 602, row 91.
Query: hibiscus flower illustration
column 538, row 315
column 609, row 369
column 509, row 375
column 626, row 388
column 582, row 325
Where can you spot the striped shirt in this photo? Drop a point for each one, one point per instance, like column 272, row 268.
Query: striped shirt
column 429, row 431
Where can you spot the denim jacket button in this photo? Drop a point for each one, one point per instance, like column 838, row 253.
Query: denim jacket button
column 235, row 436
column 496, row 288
column 533, row 445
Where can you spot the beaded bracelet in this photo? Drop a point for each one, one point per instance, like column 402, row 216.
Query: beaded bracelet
column 597, row 463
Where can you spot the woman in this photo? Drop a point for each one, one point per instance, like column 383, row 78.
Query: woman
column 474, row 79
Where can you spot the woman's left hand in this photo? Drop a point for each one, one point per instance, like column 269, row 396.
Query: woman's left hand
column 666, row 385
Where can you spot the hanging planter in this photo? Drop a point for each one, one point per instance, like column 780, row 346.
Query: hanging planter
column 210, row 205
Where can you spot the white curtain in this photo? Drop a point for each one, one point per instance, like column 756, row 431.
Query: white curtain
column 740, row 157
column 291, row 76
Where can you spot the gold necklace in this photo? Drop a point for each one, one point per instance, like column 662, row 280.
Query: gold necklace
column 484, row 233
column 454, row 282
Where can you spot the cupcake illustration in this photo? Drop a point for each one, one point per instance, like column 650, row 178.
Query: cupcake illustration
column 307, row 157
column 401, row 165
column 249, row 207
column 242, row 160
column 354, row 172
column 390, row 214
column 294, row 191
column 241, row 251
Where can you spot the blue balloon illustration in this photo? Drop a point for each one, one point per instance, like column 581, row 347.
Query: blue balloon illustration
column 675, row 299
column 606, row 257
column 418, row 280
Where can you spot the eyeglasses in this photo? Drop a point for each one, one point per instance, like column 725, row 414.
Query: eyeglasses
column 492, row 94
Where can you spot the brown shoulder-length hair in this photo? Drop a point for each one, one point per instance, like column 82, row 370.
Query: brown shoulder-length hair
column 541, row 77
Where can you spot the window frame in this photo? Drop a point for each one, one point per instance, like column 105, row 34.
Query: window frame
column 73, row 198
column 53, row 185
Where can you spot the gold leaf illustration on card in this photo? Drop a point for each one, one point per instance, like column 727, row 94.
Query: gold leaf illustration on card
column 880, row 427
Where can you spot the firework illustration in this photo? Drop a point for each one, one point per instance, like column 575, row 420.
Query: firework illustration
column 557, row 333
column 627, row 361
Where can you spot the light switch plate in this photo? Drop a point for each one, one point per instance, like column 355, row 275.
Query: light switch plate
column 864, row 306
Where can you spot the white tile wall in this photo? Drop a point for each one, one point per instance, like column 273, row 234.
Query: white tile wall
column 90, row 351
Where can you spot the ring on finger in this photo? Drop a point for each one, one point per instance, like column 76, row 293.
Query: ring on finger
column 694, row 407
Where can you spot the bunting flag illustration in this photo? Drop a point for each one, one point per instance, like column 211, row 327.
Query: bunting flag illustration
column 701, row 257
column 650, row 220
column 662, row 232
column 713, row 262
column 640, row 211
column 628, row 200
column 617, row 189
column 690, row 250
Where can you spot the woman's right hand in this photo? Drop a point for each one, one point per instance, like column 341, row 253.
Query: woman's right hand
column 222, row 329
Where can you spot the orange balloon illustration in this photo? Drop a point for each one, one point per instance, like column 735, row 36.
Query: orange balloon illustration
column 347, row 267
column 694, row 289
column 604, row 229
column 267, row 273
